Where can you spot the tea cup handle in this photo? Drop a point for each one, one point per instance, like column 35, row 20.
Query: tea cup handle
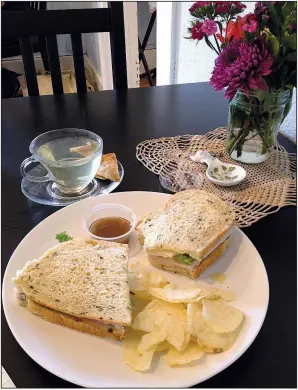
column 25, row 164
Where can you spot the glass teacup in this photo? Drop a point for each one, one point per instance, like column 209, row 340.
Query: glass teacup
column 71, row 158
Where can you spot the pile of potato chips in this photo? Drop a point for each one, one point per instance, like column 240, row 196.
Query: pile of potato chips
column 185, row 323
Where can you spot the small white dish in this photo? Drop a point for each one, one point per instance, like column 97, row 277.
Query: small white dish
column 110, row 210
column 222, row 174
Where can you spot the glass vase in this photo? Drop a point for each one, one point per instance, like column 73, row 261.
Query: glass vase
column 253, row 124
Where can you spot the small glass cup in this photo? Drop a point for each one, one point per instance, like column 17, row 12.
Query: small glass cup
column 70, row 157
column 110, row 210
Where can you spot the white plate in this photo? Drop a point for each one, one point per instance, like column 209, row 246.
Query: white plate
column 91, row 361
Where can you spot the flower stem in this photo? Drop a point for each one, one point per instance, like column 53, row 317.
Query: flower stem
column 211, row 45
column 218, row 47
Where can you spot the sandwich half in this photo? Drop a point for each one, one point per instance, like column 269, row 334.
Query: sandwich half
column 189, row 234
column 81, row 284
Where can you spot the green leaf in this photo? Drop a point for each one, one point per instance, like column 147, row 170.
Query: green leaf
column 292, row 78
column 184, row 259
column 290, row 41
column 274, row 15
column 288, row 8
column 292, row 57
column 274, row 45
column 208, row 42
column 288, row 105
column 63, row 236
column 231, row 169
column 224, row 168
column 219, row 26
column 215, row 169
column 261, row 94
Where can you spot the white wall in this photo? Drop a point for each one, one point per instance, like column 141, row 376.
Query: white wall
column 194, row 61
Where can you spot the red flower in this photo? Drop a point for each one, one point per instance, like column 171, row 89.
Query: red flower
column 238, row 5
column 198, row 4
column 196, row 32
column 222, row 7
column 234, row 30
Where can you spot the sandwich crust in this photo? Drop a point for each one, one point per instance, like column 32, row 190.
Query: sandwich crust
column 82, row 325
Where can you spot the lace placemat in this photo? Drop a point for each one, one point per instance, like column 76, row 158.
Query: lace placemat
column 268, row 186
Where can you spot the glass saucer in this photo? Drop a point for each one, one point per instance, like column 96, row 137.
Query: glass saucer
column 48, row 194
column 179, row 180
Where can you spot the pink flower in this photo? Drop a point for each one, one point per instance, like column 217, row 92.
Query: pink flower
column 251, row 27
column 249, row 23
column 209, row 27
column 196, row 32
column 198, row 4
column 242, row 65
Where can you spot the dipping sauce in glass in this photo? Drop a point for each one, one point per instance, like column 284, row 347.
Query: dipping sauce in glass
column 109, row 227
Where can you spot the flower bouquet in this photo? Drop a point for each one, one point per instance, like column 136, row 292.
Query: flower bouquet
column 256, row 63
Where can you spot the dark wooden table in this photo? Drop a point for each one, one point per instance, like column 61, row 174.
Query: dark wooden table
column 123, row 119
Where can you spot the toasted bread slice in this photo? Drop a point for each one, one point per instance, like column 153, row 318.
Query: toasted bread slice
column 192, row 222
column 81, row 278
column 108, row 169
column 116, row 332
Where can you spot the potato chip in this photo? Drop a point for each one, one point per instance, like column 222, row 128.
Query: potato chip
column 139, row 285
column 135, row 360
column 221, row 317
column 157, row 279
column 158, row 304
column 212, row 342
column 209, row 292
column 227, row 295
column 162, row 346
column 150, row 340
column 191, row 353
column 216, row 342
column 164, row 316
column 137, row 305
column 172, row 294
column 149, row 321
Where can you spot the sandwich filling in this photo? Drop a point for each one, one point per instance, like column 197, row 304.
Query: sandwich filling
column 184, row 258
column 51, row 315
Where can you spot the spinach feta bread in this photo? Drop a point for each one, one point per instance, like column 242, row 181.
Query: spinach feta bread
column 189, row 234
column 81, row 284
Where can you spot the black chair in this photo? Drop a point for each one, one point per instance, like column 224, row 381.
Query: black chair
column 24, row 24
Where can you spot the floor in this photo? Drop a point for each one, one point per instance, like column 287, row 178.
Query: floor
column 145, row 83
column 6, row 382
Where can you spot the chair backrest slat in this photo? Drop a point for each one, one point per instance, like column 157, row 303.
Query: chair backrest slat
column 118, row 45
column 29, row 66
column 53, row 54
column 21, row 23
column 78, row 59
